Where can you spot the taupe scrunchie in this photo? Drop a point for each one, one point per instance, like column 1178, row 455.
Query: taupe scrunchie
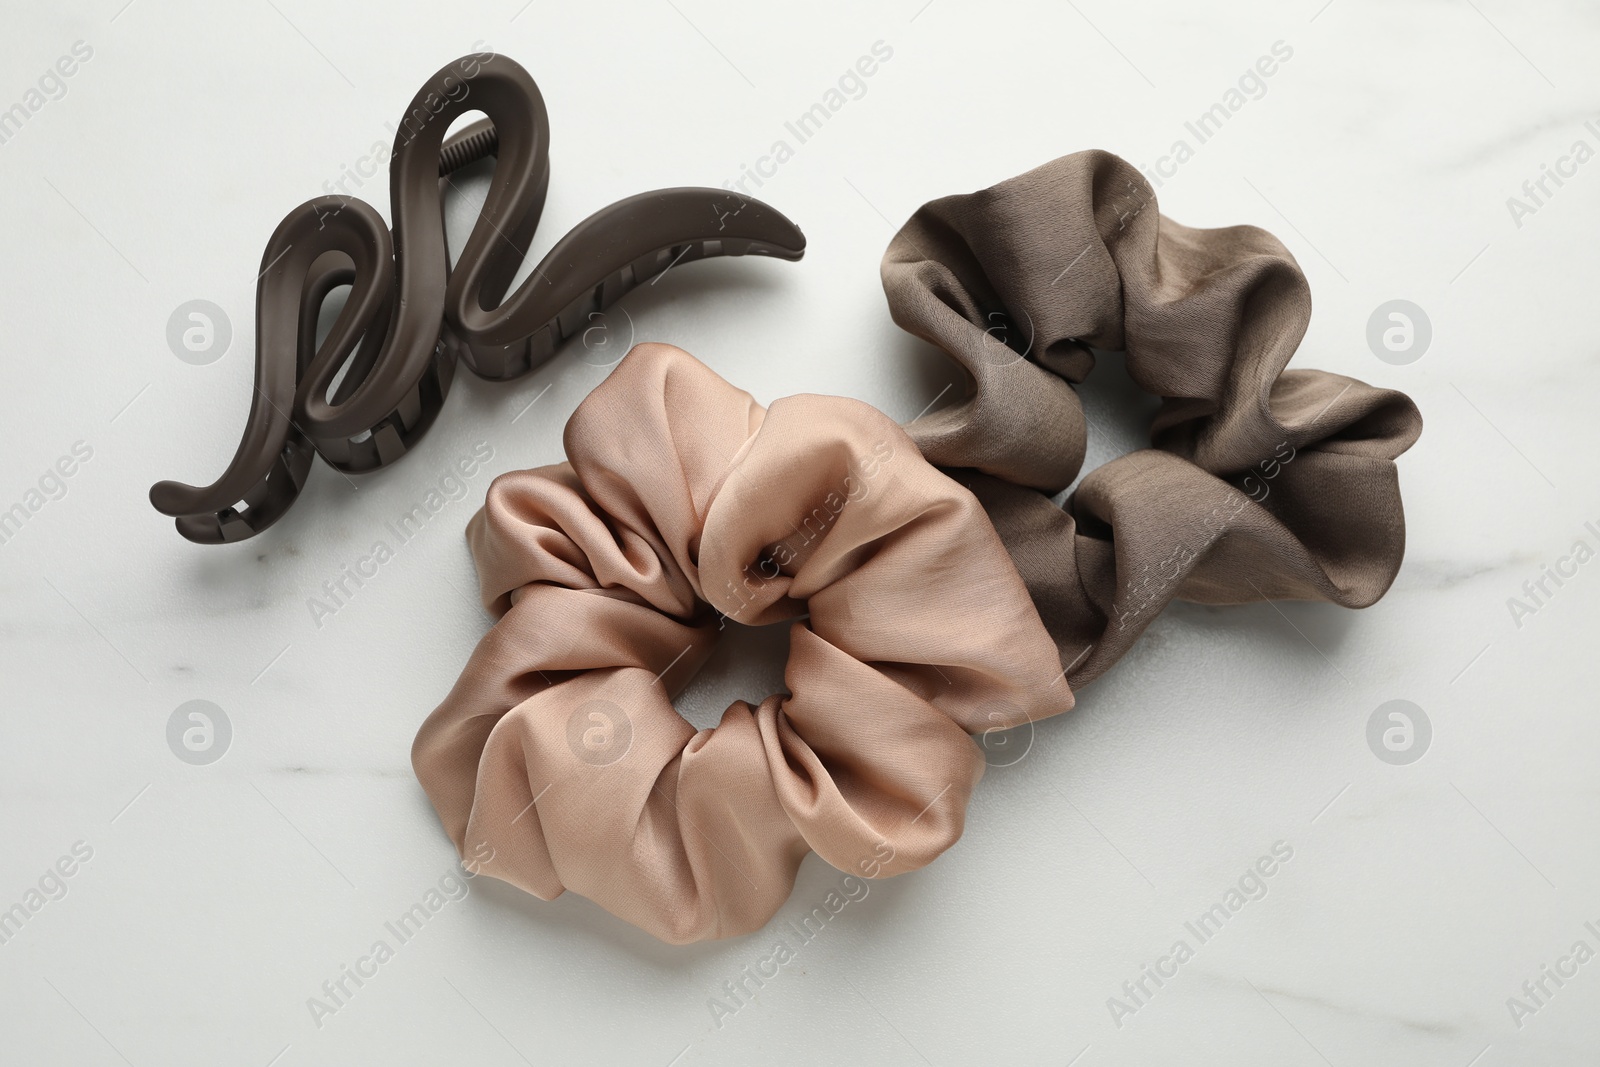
column 557, row 761
column 1262, row 483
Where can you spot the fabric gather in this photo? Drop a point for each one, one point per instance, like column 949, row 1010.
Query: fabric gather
column 1261, row 483
column 558, row 761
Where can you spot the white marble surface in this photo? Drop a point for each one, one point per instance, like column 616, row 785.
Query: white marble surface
column 219, row 898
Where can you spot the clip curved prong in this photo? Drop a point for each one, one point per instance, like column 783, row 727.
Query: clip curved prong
column 602, row 259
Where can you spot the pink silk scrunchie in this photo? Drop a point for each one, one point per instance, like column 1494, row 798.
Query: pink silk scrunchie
column 558, row 751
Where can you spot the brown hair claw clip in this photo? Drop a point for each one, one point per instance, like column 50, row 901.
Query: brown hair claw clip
column 409, row 316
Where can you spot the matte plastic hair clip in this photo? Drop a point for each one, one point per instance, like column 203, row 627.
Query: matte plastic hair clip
column 409, row 316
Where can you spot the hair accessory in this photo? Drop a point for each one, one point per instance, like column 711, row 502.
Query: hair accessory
column 1262, row 483
column 557, row 761
column 409, row 316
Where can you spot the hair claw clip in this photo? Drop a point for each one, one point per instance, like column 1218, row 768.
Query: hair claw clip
column 409, row 317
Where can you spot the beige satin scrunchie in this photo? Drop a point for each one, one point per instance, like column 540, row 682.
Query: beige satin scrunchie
column 558, row 752
column 1262, row 483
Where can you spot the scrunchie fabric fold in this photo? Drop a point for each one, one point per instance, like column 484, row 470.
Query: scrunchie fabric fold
column 685, row 504
column 1261, row 483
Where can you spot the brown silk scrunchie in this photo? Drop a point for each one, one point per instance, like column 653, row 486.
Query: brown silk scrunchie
column 1262, row 483
column 558, row 752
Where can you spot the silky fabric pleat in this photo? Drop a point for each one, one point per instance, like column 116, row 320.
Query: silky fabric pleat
column 1260, row 484
column 684, row 507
